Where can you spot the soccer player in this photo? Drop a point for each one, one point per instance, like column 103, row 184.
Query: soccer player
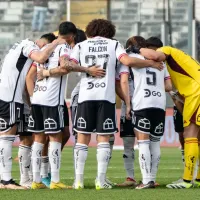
column 185, row 75
column 126, row 126
column 96, row 103
column 12, row 81
column 148, row 105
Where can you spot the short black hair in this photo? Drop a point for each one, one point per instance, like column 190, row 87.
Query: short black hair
column 136, row 41
column 80, row 36
column 49, row 36
column 66, row 28
column 154, row 41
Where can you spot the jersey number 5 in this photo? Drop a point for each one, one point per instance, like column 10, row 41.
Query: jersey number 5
column 91, row 60
column 151, row 77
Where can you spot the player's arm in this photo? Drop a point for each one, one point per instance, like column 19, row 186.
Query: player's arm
column 118, row 89
column 30, row 79
column 139, row 63
column 125, row 92
column 152, row 54
column 43, row 55
column 67, row 66
column 168, row 82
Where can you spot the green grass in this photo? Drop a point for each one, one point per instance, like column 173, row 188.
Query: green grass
column 170, row 169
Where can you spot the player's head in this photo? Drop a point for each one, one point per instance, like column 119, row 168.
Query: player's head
column 67, row 31
column 80, row 36
column 45, row 39
column 100, row 27
column 136, row 41
column 154, row 43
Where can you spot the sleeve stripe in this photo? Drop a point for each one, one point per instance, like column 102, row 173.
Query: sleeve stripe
column 124, row 73
column 73, row 59
column 122, row 56
column 168, row 77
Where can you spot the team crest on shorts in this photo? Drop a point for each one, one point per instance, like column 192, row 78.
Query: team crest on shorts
column 144, row 123
column 108, row 124
column 81, row 123
column 3, row 124
column 50, row 124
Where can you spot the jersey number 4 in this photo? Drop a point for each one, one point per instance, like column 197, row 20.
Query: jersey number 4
column 91, row 60
column 151, row 77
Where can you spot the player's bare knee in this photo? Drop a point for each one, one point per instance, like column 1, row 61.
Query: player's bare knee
column 26, row 140
column 57, row 137
column 11, row 131
column 103, row 138
column 40, row 138
column 191, row 131
column 83, row 138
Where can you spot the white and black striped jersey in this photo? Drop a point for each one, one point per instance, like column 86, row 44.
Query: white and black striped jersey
column 105, row 53
column 14, row 70
column 50, row 91
column 74, row 95
column 149, row 87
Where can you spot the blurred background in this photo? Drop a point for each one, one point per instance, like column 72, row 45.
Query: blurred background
column 176, row 22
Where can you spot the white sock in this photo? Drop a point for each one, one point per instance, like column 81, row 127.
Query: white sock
column 30, row 172
column 155, row 158
column 24, row 155
column 54, row 160
column 128, row 156
column 6, row 156
column 44, row 167
column 103, row 157
column 145, row 160
column 80, row 156
column 36, row 161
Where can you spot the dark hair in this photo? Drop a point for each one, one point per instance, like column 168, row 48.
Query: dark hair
column 100, row 27
column 66, row 28
column 154, row 41
column 80, row 36
column 136, row 41
column 49, row 36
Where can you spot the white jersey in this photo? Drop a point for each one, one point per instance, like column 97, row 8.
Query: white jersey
column 14, row 70
column 105, row 53
column 75, row 94
column 50, row 91
column 149, row 87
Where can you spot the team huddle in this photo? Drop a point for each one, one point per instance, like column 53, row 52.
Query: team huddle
column 32, row 105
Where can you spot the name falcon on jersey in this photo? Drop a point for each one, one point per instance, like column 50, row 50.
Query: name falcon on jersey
column 98, row 49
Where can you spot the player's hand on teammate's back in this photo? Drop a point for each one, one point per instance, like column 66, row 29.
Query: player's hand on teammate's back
column 96, row 71
column 157, row 65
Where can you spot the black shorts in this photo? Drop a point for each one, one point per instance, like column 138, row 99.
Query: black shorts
column 150, row 121
column 96, row 117
column 66, row 115
column 22, row 128
column 126, row 128
column 46, row 119
column 178, row 121
column 10, row 114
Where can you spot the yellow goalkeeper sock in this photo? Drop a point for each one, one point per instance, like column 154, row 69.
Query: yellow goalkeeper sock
column 191, row 156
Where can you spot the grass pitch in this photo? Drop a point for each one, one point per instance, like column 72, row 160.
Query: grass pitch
column 170, row 169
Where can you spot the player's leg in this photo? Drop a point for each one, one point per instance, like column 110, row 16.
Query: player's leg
column 53, row 125
column 10, row 113
column 128, row 136
column 197, row 175
column 84, row 124
column 142, row 131
column 46, row 180
column 178, row 125
column 36, row 126
column 105, row 126
column 66, row 133
column 191, row 113
column 157, row 117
